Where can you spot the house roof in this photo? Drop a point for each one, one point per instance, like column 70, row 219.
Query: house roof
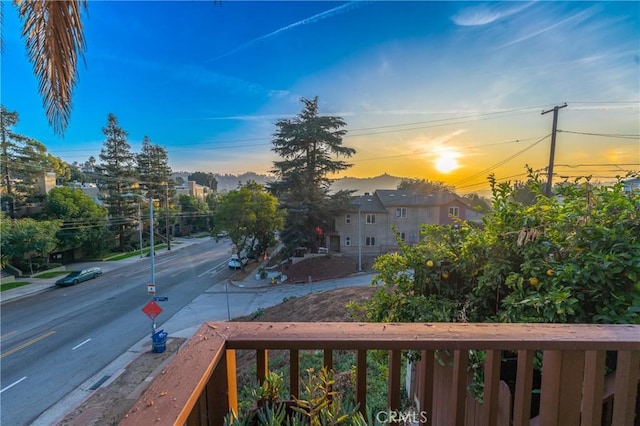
column 396, row 197
column 367, row 203
column 381, row 199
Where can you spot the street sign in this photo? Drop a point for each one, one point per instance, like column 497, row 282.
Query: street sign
column 152, row 309
column 151, row 289
column 160, row 298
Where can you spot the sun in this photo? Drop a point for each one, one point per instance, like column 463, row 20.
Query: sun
column 446, row 162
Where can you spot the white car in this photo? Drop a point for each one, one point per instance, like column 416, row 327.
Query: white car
column 237, row 262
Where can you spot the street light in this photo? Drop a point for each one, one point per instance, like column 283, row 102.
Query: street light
column 359, row 237
column 151, row 244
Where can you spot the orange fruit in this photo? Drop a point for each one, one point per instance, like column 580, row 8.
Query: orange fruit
column 550, row 272
column 445, row 275
column 534, row 281
column 430, row 263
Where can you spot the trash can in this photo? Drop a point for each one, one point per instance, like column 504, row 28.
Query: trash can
column 159, row 341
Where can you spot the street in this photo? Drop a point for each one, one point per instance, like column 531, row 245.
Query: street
column 54, row 341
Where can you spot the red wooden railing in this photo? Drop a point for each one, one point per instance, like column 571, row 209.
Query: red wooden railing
column 199, row 386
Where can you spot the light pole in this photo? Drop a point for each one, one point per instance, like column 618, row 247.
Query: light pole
column 359, row 237
column 151, row 248
column 140, row 229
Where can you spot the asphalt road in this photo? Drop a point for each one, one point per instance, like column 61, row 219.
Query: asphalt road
column 55, row 340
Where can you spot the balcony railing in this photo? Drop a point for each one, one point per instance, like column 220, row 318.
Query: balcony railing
column 199, row 386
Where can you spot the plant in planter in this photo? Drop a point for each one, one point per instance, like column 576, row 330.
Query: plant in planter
column 318, row 405
column 321, row 405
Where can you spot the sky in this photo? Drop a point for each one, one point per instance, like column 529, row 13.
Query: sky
column 446, row 91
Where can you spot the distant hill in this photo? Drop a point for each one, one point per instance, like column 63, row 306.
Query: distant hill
column 228, row 182
column 369, row 185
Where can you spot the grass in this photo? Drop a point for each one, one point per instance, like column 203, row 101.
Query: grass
column 51, row 274
column 9, row 286
column 136, row 253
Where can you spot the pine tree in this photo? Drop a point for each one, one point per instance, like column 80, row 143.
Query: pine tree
column 116, row 175
column 306, row 145
column 153, row 168
column 23, row 161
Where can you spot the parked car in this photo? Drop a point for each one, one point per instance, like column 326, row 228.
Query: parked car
column 237, row 262
column 76, row 277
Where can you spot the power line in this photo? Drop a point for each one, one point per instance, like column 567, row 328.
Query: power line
column 500, row 163
column 604, row 135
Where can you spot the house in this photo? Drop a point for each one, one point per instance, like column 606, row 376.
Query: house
column 366, row 226
column 632, row 184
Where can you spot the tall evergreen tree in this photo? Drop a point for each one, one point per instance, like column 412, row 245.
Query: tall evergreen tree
column 153, row 168
column 307, row 145
column 116, row 174
column 23, row 161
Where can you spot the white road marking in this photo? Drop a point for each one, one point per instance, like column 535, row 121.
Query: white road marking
column 80, row 344
column 212, row 269
column 13, row 384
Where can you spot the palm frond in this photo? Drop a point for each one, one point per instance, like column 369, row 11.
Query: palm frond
column 54, row 42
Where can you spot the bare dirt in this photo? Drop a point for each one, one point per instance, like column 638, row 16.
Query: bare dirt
column 109, row 404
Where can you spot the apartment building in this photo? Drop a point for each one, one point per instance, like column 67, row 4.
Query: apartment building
column 366, row 226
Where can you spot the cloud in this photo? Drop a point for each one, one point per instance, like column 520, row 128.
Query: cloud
column 485, row 14
column 311, row 20
column 580, row 16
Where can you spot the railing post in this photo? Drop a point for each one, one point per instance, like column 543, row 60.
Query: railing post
column 294, row 373
column 561, row 393
column 627, row 374
column 524, row 384
column 361, row 381
column 395, row 364
column 425, row 386
column 459, row 388
column 262, row 365
column 491, row 387
column 593, row 388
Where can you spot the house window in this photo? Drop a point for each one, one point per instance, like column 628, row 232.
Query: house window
column 401, row 212
column 454, row 211
column 371, row 218
column 370, row 241
column 347, row 241
column 403, row 236
column 347, row 218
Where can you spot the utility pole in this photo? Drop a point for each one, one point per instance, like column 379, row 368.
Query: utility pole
column 166, row 216
column 552, row 154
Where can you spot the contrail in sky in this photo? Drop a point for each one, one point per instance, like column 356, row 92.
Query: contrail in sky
column 311, row 20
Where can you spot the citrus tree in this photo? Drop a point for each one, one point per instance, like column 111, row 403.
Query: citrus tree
column 572, row 258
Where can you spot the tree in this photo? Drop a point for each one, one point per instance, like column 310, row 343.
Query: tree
column 195, row 215
column 250, row 216
column 116, row 174
column 478, row 202
column 28, row 238
column 155, row 177
column 54, row 41
column 425, row 186
column 204, row 179
column 83, row 221
column 306, row 145
column 574, row 258
column 23, row 161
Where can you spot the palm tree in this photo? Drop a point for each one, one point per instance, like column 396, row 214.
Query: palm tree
column 54, row 42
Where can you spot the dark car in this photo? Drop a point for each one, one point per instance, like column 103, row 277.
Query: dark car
column 76, row 277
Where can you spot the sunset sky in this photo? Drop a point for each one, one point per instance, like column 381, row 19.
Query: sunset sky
column 448, row 91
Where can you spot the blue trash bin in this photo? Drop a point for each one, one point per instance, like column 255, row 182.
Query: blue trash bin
column 159, row 341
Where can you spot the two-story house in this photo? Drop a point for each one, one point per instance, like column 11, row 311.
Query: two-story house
column 366, row 226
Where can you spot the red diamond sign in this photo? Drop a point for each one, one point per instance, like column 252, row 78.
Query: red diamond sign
column 152, row 309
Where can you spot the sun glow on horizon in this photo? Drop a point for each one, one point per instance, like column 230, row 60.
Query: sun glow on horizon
column 446, row 161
